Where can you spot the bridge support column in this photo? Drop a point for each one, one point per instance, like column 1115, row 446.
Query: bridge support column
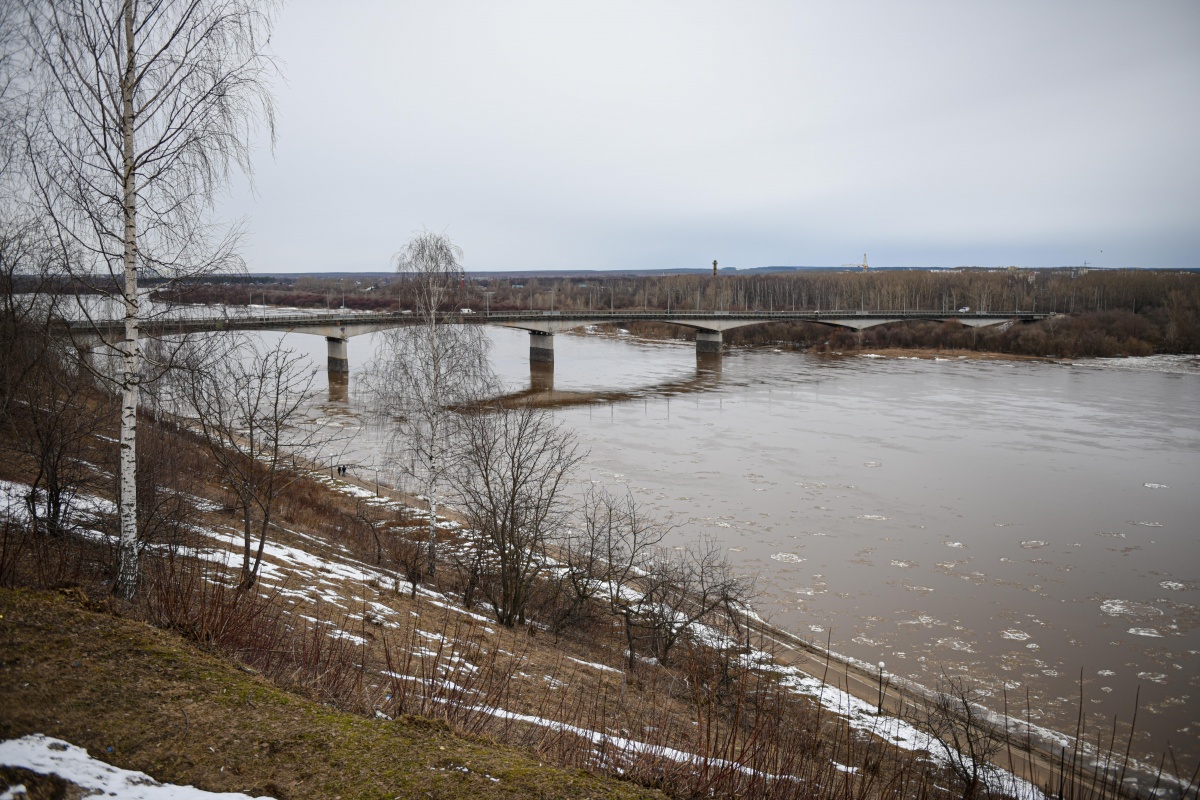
column 541, row 347
column 86, row 352
column 708, row 342
column 339, row 360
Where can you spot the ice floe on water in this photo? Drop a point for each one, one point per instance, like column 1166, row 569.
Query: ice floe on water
column 1105, row 672
column 1153, row 677
column 872, row 516
column 905, row 564
column 47, row 756
column 1174, row 586
column 1014, row 635
column 872, row 464
column 1033, row 544
column 1145, row 524
column 788, row 558
column 1165, row 364
column 954, row 544
column 1156, row 486
column 1127, row 608
column 1151, row 632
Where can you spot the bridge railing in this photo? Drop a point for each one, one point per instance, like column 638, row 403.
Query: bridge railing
column 167, row 324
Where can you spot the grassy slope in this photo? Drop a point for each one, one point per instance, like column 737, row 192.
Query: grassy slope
column 145, row 699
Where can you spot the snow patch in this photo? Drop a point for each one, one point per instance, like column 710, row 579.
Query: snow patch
column 47, row 756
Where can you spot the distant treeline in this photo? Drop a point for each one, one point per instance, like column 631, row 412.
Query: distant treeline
column 1111, row 312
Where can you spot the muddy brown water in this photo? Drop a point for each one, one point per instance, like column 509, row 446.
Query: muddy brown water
column 1013, row 522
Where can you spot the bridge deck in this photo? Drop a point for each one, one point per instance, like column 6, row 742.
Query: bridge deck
column 168, row 324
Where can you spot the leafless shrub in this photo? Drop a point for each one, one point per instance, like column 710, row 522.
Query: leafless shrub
column 510, row 484
column 249, row 408
column 192, row 597
column 955, row 719
column 683, row 588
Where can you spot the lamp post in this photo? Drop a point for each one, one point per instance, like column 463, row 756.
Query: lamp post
column 487, row 301
column 879, row 705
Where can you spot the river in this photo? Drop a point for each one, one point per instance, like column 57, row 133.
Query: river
column 1013, row 522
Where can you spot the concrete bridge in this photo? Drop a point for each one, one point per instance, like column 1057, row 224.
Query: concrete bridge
column 339, row 326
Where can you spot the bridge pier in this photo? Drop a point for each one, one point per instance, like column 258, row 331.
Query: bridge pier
column 708, row 341
column 541, row 347
column 86, row 353
column 339, row 358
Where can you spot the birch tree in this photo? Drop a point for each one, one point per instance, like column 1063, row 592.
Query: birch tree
column 138, row 114
column 424, row 373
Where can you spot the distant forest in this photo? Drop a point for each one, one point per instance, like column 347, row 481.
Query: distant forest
column 1107, row 312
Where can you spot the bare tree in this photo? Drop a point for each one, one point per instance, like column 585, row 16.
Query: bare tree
column 957, row 722
column 29, row 283
column 425, row 373
column 684, row 587
column 249, row 409
column 605, row 554
column 137, row 114
column 510, row 480
column 58, row 415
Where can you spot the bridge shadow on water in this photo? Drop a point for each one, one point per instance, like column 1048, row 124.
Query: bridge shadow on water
column 542, row 392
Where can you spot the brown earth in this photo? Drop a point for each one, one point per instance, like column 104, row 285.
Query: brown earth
column 145, row 699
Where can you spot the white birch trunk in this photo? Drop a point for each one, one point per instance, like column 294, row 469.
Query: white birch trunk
column 434, row 444
column 431, row 567
column 127, row 569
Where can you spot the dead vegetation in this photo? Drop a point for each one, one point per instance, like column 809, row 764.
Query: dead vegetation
column 618, row 657
column 335, row 619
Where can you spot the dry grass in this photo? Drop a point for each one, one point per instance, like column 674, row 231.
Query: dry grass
column 333, row 626
column 144, row 699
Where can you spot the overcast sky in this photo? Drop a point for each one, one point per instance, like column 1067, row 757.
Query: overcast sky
column 609, row 135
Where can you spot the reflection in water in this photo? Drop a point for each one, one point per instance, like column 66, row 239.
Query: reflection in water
column 541, row 376
column 339, row 387
column 708, row 364
column 541, row 389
